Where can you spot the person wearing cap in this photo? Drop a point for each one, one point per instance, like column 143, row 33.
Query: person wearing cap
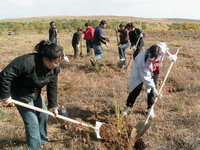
column 76, row 42
column 123, row 44
column 157, row 64
column 53, row 32
column 23, row 80
column 135, row 34
column 142, row 73
column 88, row 36
column 97, row 40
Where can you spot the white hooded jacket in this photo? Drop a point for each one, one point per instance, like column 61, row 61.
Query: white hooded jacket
column 141, row 72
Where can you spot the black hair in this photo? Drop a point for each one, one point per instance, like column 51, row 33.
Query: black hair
column 152, row 51
column 121, row 25
column 49, row 50
column 87, row 24
column 103, row 22
column 79, row 29
column 52, row 22
column 129, row 26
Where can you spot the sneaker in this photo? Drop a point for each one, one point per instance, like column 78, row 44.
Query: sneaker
column 125, row 110
column 152, row 113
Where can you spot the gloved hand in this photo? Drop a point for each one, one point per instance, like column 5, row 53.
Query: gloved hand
column 106, row 44
column 173, row 58
column 78, row 45
column 148, row 90
column 156, row 93
column 141, row 35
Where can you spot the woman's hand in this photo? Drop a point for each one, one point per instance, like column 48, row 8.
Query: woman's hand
column 55, row 111
column 7, row 101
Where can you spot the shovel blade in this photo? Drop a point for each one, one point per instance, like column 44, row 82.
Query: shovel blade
column 97, row 129
column 139, row 130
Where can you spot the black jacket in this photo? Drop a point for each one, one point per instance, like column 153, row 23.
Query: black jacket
column 76, row 38
column 53, row 35
column 133, row 36
column 24, row 78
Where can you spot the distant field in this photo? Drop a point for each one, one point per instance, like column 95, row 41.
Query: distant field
column 123, row 18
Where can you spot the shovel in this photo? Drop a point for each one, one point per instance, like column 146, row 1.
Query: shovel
column 142, row 127
column 81, row 46
column 96, row 128
column 136, row 48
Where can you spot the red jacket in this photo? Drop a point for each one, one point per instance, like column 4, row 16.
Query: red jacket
column 89, row 33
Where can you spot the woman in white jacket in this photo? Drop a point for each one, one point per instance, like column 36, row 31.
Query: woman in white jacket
column 142, row 73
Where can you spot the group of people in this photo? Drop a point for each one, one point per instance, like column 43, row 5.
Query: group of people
column 24, row 78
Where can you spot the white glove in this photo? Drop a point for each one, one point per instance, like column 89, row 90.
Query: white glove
column 78, row 45
column 173, row 58
column 66, row 58
column 148, row 90
column 141, row 35
column 106, row 44
column 155, row 92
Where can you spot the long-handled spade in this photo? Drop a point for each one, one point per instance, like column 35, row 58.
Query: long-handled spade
column 135, row 48
column 81, row 46
column 96, row 128
column 142, row 127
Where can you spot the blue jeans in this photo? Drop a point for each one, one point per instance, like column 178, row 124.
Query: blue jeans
column 98, row 50
column 122, row 52
column 35, row 124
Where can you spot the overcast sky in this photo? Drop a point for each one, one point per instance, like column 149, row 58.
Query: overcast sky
column 189, row 9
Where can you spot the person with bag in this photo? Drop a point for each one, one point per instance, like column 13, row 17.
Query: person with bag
column 97, row 40
column 23, row 80
column 142, row 73
column 123, row 44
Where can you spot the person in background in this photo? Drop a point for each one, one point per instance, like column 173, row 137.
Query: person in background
column 135, row 34
column 88, row 36
column 123, row 44
column 97, row 40
column 23, row 80
column 53, row 32
column 141, row 73
column 76, row 42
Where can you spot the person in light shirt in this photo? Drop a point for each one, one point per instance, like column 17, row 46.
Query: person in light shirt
column 145, row 71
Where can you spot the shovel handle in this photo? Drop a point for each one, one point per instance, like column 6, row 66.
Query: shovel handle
column 50, row 113
column 163, row 83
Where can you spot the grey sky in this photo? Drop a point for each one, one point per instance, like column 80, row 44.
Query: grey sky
column 189, row 9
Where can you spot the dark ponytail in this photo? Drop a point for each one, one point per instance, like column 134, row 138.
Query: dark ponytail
column 153, row 51
column 49, row 50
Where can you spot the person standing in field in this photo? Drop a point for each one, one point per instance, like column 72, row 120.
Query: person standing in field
column 135, row 34
column 123, row 44
column 88, row 36
column 76, row 42
column 53, row 32
column 23, row 80
column 97, row 40
column 144, row 72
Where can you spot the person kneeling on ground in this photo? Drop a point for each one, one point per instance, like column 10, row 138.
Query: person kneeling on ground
column 143, row 67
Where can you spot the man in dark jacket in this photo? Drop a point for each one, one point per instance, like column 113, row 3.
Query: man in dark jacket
column 136, row 39
column 76, row 42
column 97, row 40
column 53, row 32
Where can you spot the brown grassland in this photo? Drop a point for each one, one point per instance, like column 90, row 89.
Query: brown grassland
column 93, row 93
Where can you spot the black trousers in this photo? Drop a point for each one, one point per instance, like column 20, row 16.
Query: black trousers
column 134, row 94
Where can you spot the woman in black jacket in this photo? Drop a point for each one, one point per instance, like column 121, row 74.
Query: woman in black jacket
column 23, row 80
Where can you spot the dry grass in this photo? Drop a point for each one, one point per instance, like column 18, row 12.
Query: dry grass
column 89, row 94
